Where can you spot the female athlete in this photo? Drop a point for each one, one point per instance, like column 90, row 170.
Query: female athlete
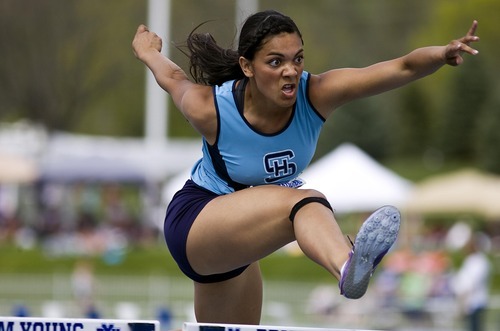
column 260, row 113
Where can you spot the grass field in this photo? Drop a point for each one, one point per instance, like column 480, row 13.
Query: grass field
column 156, row 260
column 152, row 260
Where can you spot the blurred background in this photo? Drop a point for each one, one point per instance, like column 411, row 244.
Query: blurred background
column 91, row 152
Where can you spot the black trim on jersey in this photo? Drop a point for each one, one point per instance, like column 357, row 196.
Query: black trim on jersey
column 239, row 95
column 309, row 99
column 239, row 100
column 218, row 116
column 220, row 168
column 217, row 160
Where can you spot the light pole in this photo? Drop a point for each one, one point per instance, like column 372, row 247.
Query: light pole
column 156, row 121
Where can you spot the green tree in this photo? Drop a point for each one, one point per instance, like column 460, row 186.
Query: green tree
column 488, row 140
column 458, row 94
column 59, row 58
column 364, row 123
column 413, row 127
column 469, row 91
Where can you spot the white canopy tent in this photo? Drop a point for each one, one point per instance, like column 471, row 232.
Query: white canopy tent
column 70, row 157
column 354, row 182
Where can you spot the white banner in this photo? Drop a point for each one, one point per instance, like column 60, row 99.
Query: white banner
column 75, row 324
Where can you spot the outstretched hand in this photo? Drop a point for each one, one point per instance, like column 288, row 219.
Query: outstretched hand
column 455, row 49
column 145, row 41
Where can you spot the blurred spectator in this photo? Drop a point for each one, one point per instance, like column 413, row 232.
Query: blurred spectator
column 387, row 286
column 83, row 284
column 414, row 291
column 164, row 316
column 92, row 312
column 471, row 282
column 20, row 310
column 323, row 300
column 115, row 210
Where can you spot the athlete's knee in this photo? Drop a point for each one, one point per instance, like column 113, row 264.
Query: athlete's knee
column 310, row 196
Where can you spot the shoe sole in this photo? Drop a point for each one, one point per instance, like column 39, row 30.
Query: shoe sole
column 374, row 239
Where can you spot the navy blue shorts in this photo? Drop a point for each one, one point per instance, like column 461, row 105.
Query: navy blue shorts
column 181, row 213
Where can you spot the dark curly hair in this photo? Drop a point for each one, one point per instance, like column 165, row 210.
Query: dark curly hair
column 211, row 64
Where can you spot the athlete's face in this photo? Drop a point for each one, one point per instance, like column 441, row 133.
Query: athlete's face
column 277, row 67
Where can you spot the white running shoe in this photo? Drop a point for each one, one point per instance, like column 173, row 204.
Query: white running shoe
column 374, row 239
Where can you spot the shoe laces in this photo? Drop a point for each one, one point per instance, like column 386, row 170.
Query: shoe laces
column 350, row 241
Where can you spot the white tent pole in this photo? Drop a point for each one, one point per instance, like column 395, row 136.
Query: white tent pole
column 243, row 9
column 156, row 121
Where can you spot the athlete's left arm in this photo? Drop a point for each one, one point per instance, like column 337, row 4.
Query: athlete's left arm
column 336, row 87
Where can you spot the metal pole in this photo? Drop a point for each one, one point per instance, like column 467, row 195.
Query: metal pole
column 244, row 8
column 156, row 121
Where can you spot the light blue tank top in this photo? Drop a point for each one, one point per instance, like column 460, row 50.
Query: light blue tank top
column 242, row 156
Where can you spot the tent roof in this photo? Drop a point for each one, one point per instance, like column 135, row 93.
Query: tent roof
column 464, row 191
column 354, row 182
column 89, row 169
column 71, row 158
column 64, row 156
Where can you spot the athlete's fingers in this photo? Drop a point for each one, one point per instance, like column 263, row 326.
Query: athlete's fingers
column 142, row 28
column 472, row 30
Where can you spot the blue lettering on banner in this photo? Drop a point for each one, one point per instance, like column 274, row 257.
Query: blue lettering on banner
column 49, row 326
column 110, row 327
column 10, row 326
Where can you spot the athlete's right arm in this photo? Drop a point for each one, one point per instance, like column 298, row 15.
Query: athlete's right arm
column 193, row 100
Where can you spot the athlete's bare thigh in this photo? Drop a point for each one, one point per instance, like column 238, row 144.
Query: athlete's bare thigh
column 242, row 227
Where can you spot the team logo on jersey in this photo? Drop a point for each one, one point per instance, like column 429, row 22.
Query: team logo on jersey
column 279, row 165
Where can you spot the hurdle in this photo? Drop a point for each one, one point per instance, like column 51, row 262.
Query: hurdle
column 86, row 324
column 75, row 324
column 241, row 327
